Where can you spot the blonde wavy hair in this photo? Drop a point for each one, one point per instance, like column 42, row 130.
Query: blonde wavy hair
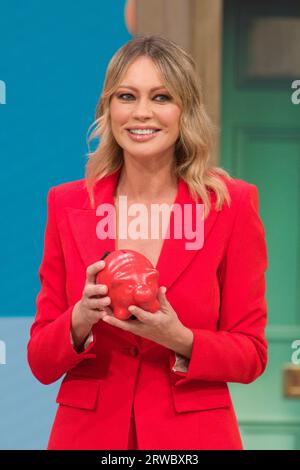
column 195, row 142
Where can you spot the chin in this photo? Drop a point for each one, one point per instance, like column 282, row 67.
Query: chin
column 142, row 149
column 144, row 154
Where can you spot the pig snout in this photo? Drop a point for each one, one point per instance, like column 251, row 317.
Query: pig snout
column 142, row 294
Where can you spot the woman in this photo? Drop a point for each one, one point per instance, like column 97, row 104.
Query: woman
column 155, row 381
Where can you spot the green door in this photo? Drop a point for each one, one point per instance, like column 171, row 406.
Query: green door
column 260, row 143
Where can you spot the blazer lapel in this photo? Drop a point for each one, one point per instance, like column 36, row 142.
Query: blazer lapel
column 174, row 257
column 83, row 222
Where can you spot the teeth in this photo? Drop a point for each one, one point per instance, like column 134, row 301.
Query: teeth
column 142, row 131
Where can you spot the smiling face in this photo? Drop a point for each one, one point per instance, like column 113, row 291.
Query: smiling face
column 141, row 101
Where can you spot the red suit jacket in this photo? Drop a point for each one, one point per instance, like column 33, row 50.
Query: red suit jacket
column 218, row 291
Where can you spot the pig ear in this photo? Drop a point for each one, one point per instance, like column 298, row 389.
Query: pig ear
column 153, row 274
column 105, row 254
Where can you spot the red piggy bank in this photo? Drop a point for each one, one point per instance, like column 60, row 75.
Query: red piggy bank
column 131, row 280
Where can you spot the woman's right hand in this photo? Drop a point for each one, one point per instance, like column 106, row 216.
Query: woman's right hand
column 92, row 306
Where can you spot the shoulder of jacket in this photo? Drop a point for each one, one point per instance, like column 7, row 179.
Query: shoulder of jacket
column 70, row 192
column 238, row 188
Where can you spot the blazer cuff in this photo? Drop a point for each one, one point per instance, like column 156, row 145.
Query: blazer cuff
column 87, row 342
column 179, row 363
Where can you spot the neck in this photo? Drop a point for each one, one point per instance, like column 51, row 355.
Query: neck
column 142, row 183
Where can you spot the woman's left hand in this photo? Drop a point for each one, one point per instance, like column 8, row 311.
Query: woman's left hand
column 163, row 326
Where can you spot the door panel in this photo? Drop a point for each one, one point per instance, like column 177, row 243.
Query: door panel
column 260, row 143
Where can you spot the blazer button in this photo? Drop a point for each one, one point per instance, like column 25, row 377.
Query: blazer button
column 133, row 351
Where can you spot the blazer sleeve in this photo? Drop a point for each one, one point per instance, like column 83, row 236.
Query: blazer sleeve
column 237, row 351
column 49, row 351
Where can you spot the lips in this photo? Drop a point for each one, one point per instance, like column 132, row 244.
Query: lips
column 142, row 137
column 143, row 129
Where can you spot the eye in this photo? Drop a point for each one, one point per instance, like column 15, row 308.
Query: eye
column 123, row 96
column 164, row 96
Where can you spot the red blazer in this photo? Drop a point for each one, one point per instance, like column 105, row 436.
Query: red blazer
column 217, row 291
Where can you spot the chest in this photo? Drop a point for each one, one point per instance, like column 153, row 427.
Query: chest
column 149, row 248
column 142, row 230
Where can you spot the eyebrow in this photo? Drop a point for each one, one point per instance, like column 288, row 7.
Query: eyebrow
column 133, row 88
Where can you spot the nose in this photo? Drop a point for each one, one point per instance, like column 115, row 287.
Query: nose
column 142, row 293
column 142, row 109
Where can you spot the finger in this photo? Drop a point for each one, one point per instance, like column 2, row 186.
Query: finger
column 92, row 271
column 99, row 314
column 112, row 320
column 164, row 303
column 99, row 304
column 95, row 290
column 108, row 311
column 162, row 294
column 140, row 314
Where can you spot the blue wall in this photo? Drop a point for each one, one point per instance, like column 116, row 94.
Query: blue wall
column 53, row 57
